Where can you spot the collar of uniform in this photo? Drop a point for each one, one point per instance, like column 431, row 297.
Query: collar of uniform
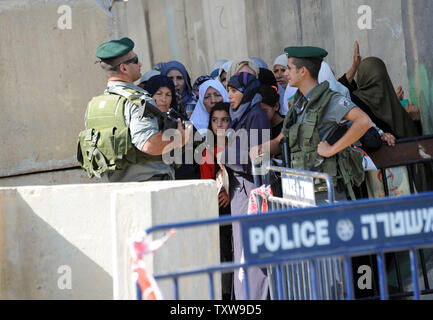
column 305, row 99
column 125, row 85
column 310, row 93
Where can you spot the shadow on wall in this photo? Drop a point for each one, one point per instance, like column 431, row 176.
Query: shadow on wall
column 37, row 262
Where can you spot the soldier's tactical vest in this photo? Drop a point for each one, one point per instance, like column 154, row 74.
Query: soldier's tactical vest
column 304, row 139
column 106, row 143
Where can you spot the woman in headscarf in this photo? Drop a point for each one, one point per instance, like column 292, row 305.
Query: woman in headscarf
column 161, row 88
column 279, row 68
column 287, row 93
column 177, row 73
column 248, row 118
column 374, row 93
column 243, row 65
column 211, row 92
column 197, row 83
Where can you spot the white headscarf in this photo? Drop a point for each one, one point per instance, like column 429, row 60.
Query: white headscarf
column 200, row 116
column 326, row 74
column 281, row 60
column 289, row 94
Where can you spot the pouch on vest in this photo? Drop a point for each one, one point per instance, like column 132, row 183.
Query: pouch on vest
column 350, row 163
column 103, row 150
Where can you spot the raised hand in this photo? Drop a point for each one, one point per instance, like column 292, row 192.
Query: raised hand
column 350, row 75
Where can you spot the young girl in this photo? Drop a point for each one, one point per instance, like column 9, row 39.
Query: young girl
column 219, row 121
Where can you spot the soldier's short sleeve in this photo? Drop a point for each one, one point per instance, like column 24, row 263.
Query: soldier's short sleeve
column 339, row 107
column 141, row 129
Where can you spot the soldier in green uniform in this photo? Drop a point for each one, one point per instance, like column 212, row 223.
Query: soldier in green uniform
column 311, row 126
column 121, row 140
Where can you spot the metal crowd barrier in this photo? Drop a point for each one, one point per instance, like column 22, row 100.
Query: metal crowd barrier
column 314, row 234
column 298, row 191
column 411, row 153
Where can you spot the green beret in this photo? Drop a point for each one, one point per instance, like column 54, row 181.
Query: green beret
column 305, row 52
column 114, row 48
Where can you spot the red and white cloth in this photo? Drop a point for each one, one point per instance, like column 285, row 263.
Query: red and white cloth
column 139, row 247
column 253, row 208
column 263, row 192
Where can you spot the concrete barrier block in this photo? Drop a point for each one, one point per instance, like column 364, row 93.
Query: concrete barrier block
column 133, row 211
column 56, row 242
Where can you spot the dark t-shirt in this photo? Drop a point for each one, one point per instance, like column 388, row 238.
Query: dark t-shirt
column 275, row 131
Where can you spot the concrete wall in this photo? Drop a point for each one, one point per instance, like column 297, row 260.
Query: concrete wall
column 47, row 75
column 417, row 26
column 45, row 81
column 81, row 226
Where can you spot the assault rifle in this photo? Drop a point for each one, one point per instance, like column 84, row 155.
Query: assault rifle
column 167, row 120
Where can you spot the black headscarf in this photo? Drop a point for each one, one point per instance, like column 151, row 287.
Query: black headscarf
column 156, row 82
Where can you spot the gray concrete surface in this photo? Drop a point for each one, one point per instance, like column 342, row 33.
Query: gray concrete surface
column 188, row 249
column 43, row 229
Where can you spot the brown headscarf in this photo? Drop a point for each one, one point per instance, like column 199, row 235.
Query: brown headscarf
column 376, row 90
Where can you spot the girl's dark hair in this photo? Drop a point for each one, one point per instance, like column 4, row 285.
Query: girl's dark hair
column 220, row 106
column 269, row 94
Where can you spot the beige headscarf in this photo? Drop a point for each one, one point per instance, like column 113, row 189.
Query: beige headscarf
column 239, row 63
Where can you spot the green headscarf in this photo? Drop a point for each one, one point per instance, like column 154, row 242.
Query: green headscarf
column 376, row 90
